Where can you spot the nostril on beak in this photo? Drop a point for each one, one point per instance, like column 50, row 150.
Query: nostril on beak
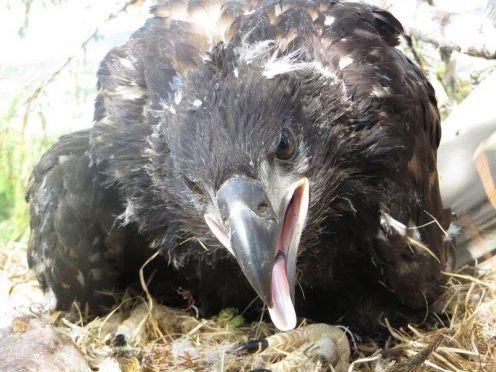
column 262, row 209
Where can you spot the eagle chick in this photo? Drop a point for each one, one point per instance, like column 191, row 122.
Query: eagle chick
column 257, row 145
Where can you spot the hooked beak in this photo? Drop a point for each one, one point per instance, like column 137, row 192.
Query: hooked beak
column 264, row 239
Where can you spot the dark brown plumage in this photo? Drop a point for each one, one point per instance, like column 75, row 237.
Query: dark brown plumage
column 212, row 111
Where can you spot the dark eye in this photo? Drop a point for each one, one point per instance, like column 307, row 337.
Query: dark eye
column 193, row 186
column 287, row 145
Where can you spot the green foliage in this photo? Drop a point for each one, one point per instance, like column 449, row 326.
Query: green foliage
column 230, row 318
column 18, row 154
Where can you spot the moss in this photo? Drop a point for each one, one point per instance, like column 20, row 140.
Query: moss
column 230, row 318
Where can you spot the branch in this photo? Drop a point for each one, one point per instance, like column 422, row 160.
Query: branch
column 50, row 78
column 479, row 51
column 416, row 55
column 463, row 32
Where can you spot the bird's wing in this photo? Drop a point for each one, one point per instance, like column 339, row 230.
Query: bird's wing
column 75, row 245
column 411, row 246
column 396, row 141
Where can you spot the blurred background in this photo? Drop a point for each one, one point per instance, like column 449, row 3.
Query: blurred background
column 52, row 48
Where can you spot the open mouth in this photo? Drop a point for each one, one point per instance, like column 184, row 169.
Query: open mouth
column 283, row 280
column 252, row 237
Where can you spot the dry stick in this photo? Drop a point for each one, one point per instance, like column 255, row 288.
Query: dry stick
column 435, row 21
column 473, row 51
column 149, row 297
column 413, row 363
column 416, row 55
column 47, row 81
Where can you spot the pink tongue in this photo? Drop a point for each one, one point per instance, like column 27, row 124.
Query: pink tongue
column 282, row 311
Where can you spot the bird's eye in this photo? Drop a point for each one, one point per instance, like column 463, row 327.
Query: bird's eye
column 287, row 145
column 193, row 186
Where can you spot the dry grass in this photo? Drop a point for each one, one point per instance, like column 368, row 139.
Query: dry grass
column 462, row 337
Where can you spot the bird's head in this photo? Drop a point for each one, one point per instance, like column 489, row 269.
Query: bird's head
column 240, row 143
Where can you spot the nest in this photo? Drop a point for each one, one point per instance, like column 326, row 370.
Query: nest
column 461, row 336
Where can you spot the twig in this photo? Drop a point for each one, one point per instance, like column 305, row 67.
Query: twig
column 415, row 362
column 474, row 51
column 374, row 358
column 430, row 24
column 143, row 283
column 418, row 58
column 48, row 80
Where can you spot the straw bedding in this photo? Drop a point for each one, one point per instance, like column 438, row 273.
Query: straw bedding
column 460, row 336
